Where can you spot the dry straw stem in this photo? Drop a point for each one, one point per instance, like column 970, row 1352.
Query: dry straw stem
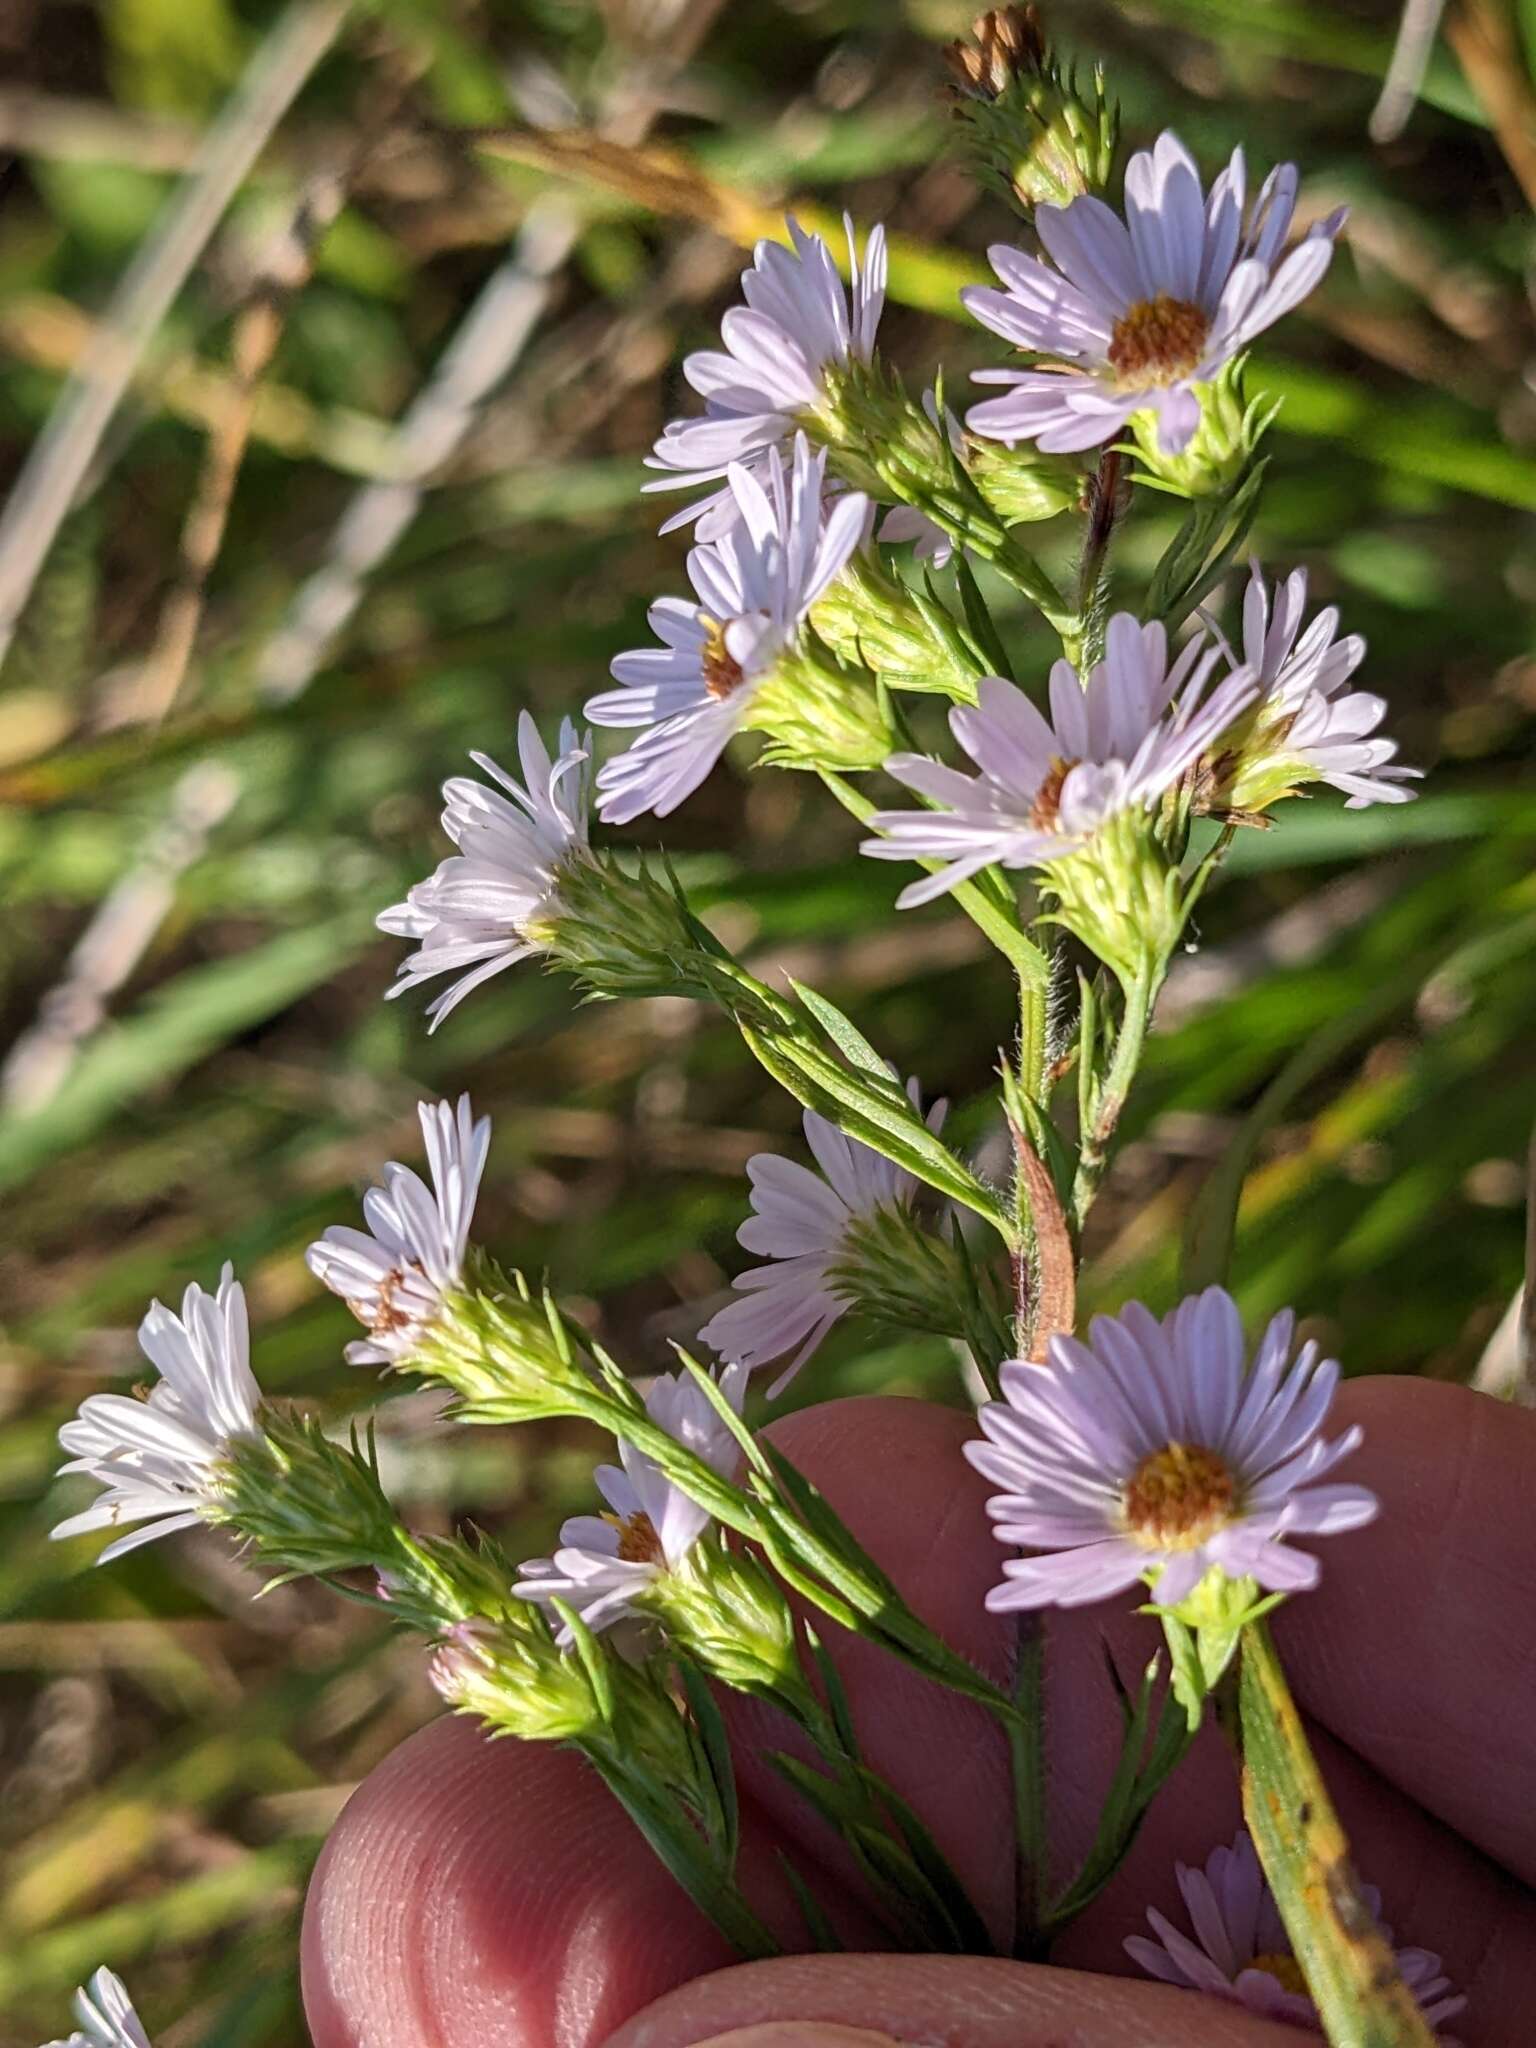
column 257, row 331
column 1487, row 45
column 64, row 451
column 481, row 354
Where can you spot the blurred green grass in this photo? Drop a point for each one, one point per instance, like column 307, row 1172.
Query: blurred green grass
column 1356, row 1028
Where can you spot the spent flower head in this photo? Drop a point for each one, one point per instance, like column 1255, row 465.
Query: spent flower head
column 1045, row 786
column 394, row 1275
column 160, row 1459
column 806, row 1223
column 1240, row 1951
column 1307, row 725
column 754, row 587
column 106, row 2015
column 1138, row 314
column 1034, row 137
column 1153, row 1452
column 799, row 322
column 493, row 902
column 606, row 1562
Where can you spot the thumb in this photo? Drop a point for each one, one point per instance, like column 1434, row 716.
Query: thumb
column 966, row 2002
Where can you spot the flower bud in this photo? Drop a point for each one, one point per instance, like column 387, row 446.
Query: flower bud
column 909, row 640
column 1121, row 895
column 504, row 1352
column 1223, row 445
column 304, row 1503
column 728, row 1612
column 893, row 1267
column 1032, row 136
column 818, row 713
column 511, row 1675
column 1021, row 484
column 913, row 455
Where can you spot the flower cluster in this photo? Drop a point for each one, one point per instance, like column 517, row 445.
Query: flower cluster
column 1151, row 1454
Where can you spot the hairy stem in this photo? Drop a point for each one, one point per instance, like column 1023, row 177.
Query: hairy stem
column 1130, row 1042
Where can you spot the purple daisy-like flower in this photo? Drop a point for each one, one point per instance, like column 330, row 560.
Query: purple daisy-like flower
column 1241, row 1952
column 158, row 1458
column 394, row 1275
column 1046, row 785
column 801, row 1220
column 798, row 322
column 754, row 587
column 483, row 909
column 606, row 1562
column 1307, row 725
column 1142, row 310
column 1153, row 1452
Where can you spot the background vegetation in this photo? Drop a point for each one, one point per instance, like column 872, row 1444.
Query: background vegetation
column 219, row 756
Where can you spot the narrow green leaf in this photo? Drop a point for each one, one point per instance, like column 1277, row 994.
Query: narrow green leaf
column 717, row 1753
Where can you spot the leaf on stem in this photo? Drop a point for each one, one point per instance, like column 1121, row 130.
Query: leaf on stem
column 1053, row 1310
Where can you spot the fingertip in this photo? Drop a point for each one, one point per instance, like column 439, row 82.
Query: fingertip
column 488, row 1892
column 860, row 2001
column 1418, row 1647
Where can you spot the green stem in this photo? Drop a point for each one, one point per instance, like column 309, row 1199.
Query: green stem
column 1130, row 1042
column 904, row 1867
column 1083, row 648
column 1348, row 1964
column 1025, row 957
column 1026, row 1739
column 686, row 1855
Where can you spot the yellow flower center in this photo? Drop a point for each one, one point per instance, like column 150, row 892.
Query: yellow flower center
column 638, row 1541
column 1046, row 808
column 722, row 672
column 1285, row 1970
column 1179, row 1497
column 1157, row 342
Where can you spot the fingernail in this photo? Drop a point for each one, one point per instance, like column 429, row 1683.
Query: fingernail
column 801, row 2034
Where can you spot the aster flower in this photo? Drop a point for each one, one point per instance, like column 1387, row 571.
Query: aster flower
column 106, row 2015
column 1307, row 726
column 606, row 1562
column 1045, row 786
column 1143, row 311
column 158, row 1458
column 1241, row 1952
column 797, row 324
column 1153, row 1452
column 487, row 906
column 802, row 1221
column 393, row 1276
column 755, row 586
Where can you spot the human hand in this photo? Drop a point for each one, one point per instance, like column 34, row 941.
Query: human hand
column 480, row 1895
